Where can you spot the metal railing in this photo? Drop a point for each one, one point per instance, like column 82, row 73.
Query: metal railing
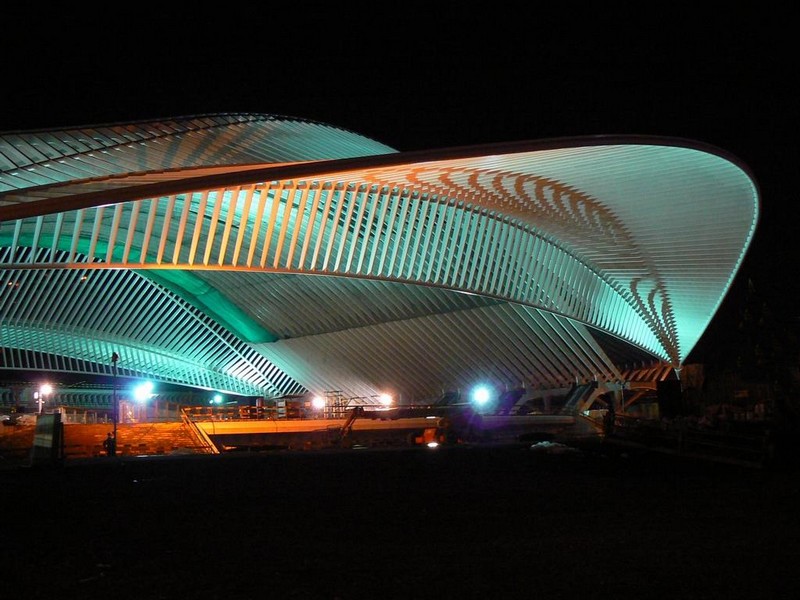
column 198, row 432
column 287, row 412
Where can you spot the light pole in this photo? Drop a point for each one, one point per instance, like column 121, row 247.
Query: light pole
column 114, row 359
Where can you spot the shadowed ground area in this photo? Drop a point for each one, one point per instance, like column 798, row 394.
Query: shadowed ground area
column 460, row 522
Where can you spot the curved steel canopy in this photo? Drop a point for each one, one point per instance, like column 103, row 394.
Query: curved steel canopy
column 267, row 255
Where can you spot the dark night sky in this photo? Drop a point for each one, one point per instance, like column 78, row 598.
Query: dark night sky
column 435, row 75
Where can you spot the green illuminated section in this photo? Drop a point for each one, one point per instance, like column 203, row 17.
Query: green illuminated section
column 195, row 291
column 183, row 284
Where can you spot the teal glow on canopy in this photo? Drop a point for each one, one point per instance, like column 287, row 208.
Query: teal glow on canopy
column 192, row 289
column 221, row 251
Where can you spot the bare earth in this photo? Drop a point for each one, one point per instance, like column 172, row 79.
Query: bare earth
column 462, row 522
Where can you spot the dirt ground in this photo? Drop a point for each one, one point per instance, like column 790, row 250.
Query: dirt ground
column 461, row 522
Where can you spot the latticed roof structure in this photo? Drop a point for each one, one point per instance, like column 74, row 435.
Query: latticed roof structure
column 266, row 255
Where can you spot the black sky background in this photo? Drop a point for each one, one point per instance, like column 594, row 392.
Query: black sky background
column 443, row 74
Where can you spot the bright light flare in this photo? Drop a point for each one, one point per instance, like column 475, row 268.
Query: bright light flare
column 481, row 395
column 143, row 391
column 385, row 400
column 318, row 402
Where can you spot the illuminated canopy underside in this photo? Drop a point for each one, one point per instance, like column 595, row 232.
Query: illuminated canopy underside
column 268, row 255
